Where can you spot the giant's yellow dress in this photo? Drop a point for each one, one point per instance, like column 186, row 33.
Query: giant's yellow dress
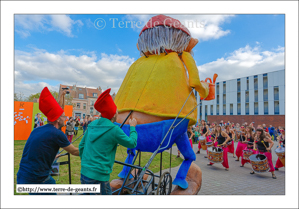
column 159, row 85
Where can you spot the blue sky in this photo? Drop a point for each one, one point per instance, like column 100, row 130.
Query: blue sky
column 68, row 49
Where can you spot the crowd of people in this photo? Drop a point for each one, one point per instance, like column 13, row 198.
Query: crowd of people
column 72, row 125
column 257, row 140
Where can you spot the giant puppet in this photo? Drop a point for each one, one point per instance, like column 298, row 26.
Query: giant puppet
column 156, row 87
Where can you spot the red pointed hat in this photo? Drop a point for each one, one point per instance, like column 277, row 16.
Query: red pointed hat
column 105, row 105
column 49, row 106
column 166, row 21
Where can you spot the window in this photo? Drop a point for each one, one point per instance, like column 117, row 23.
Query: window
column 276, row 107
column 231, row 109
column 224, row 87
column 91, row 110
column 217, row 110
column 256, row 108
column 239, row 109
column 81, row 96
column 224, row 109
column 265, row 81
column 224, row 98
column 78, row 106
column 256, row 96
column 83, row 115
column 276, row 93
column 211, row 110
column 206, row 109
column 80, row 89
column 265, row 94
column 238, row 85
column 91, row 102
column 239, row 97
column 200, row 111
column 246, row 96
column 217, row 88
column 84, row 106
column 255, row 82
column 217, row 99
column 95, row 95
column 78, row 115
column 247, row 84
column 266, row 108
column 247, row 108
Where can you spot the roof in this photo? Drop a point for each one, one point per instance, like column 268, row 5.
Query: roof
column 75, row 91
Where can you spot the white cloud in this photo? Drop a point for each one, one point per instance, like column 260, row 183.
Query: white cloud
column 41, row 23
column 202, row 27
column 244, row 62
column 61, row 67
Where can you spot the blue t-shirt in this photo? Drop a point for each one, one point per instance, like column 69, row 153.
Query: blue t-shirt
column 40, row 151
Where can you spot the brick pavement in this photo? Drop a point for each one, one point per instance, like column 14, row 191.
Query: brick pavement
column 238, row 180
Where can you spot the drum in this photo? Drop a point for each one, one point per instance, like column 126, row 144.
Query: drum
column 202, row 141
column 247, row 153
column 209, row 144
column 215, row 154
column 259, row 163
column 280, row 153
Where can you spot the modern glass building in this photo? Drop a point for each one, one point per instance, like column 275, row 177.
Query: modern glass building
column 262, row 94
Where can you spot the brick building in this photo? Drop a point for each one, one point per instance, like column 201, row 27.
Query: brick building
column 83, row 100
column 258, row 98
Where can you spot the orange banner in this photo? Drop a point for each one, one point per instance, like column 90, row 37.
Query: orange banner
column 68, row 111
column 22, row 120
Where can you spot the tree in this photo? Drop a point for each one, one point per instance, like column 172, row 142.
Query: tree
column 69, row 100
column 55, row 94
column 37, row 95
column 33, row 96
column 20, row 97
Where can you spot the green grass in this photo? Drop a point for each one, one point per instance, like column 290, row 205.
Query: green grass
column 121, row 155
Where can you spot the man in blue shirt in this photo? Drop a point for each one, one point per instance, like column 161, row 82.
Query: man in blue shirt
column 43, row 144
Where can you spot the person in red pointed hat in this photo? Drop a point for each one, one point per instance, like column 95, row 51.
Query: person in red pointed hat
column 44, row 142
column 98, row 146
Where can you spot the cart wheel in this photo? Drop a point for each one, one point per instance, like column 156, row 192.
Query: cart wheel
column 165, row 184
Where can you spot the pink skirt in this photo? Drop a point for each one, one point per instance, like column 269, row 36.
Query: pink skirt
column 269, row 158
column 278, row 164
column 240, row 148
column 190, row 140
column 225, row 159
column 231, row 148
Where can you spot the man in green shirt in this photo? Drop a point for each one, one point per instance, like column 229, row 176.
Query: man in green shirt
column 98, row 146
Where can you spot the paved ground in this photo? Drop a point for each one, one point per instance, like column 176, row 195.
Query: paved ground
column 238, row 180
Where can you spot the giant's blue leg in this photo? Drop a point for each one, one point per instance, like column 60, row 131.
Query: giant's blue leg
column 129, row 160
column 189, row 155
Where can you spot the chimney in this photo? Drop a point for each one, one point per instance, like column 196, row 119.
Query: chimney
column 100, row 89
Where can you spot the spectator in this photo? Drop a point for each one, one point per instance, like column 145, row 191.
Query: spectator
column 265, row 128
column 221, row 123
column 77, row 124
column 251, row 125
column 197, row 134
column 275, row 133
column 271, row 131
column 69, row 131
column 38, row 121
column 85, row 124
